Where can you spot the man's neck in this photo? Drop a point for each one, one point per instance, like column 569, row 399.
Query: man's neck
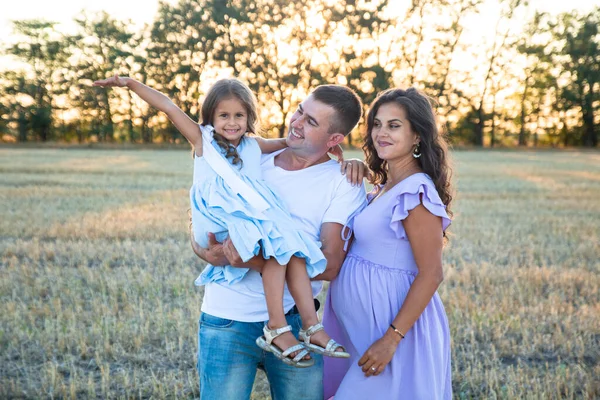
column 291, row 160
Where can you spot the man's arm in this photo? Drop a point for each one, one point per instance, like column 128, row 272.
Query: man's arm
column 221, row 254
column 225, row 254
column 348, row 200
column 214, row 254
column 333, row 249
column 233, row 258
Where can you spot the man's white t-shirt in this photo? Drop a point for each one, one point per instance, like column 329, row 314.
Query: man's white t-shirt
column 313, row 196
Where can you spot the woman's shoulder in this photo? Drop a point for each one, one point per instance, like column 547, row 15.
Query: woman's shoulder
column 420, row 187
column 414, row 183
column 417, row 189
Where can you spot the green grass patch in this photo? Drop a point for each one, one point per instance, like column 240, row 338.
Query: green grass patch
column 99, row 302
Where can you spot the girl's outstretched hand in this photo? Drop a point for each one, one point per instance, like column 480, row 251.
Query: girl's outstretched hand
column 112, row 82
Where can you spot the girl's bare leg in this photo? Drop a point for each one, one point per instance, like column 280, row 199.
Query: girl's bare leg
column 273, row 277
column 299, row 285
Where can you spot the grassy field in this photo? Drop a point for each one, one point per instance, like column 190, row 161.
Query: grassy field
column 97, row 286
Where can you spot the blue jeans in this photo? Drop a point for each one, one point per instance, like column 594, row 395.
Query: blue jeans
column 228, row 358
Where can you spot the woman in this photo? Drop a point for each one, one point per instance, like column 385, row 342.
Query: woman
column 383, row 307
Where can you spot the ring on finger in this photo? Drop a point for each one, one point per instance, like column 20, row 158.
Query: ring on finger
column 373, row 369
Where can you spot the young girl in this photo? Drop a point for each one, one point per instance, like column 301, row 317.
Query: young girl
column 229, row 198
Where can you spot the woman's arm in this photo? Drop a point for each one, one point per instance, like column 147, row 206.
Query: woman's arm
column 355, row 170
column 424, row 231
column 270, row 145
column 156, row 99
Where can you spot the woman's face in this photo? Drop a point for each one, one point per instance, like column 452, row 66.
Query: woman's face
column 392, row 135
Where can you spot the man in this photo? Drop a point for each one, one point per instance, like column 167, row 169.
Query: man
column 320, row 198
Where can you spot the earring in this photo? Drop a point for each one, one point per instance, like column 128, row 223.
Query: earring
column 417, row 151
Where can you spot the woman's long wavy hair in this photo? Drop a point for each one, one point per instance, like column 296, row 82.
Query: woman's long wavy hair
column 434, row 160
column 225, row 89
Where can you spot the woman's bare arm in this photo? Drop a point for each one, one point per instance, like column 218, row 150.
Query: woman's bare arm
column 424, row 231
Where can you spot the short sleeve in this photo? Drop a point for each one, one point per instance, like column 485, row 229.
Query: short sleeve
column 347, row 201
column 418, row 193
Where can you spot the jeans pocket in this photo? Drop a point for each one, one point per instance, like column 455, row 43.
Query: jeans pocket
column 295, row 321
column 210, row 321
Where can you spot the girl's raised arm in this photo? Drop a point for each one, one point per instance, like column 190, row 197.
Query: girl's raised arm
column 270, row 145
column 188, row 127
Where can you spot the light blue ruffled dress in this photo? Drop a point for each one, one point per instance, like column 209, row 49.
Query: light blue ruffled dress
column 218, row 206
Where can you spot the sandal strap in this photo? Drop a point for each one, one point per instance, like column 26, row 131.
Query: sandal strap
column 292, row 349
column 300, row 356
column 313, row 329
column 332, row 345
column 271, row 334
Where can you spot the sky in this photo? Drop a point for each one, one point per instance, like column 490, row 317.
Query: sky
column 143, row 11
column 63, row 11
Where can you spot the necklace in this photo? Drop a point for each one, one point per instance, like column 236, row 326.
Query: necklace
column 391, row 183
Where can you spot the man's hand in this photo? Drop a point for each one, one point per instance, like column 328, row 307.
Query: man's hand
column 213, row 254
column 233, row 258
column 222, row 254
column 231, row 254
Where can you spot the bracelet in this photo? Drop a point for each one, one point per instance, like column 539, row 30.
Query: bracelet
column 397, row 331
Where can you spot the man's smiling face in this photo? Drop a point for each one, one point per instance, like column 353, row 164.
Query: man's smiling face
column 309, row 126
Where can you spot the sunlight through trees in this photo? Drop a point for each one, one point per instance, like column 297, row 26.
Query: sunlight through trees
column 538, row 87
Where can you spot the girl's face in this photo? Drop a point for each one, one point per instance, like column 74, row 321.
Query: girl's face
column 392, row 135
column 230, row 120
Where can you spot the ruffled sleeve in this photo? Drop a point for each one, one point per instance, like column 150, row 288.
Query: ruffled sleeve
column 418, row 191
column 348, row 227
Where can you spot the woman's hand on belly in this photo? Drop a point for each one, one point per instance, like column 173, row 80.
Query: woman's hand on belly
column 375, row 359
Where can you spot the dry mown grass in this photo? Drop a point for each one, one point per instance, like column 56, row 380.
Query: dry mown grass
column 97, row 275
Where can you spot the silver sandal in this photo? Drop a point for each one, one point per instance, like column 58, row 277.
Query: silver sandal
column 328, row 350
column 265, row 343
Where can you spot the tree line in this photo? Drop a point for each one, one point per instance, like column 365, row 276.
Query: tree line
column 540, row 86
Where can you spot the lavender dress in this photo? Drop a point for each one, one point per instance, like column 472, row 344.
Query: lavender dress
column 367, row 295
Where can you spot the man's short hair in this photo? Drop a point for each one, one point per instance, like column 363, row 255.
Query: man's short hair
column 345, row 102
